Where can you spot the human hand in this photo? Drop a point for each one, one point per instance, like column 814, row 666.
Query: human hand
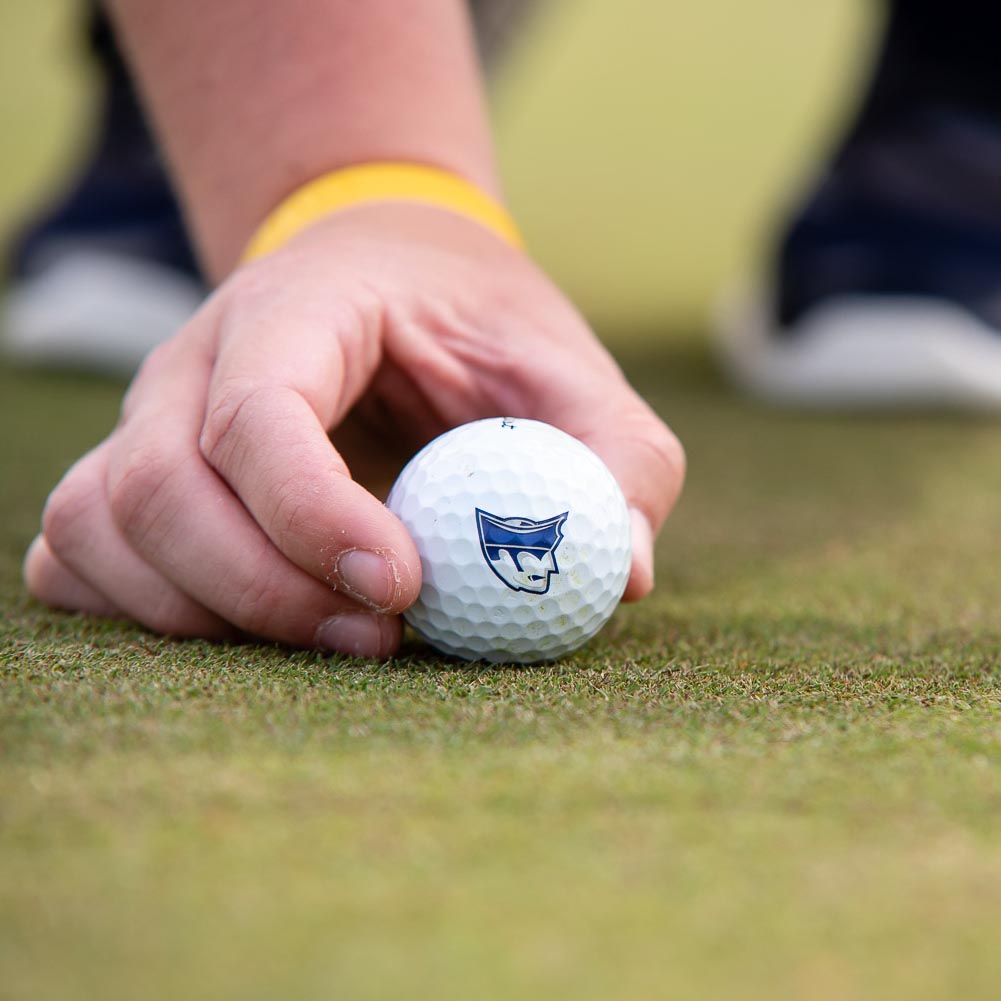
column 219, row 506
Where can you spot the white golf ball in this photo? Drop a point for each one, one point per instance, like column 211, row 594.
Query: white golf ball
column 524, row 539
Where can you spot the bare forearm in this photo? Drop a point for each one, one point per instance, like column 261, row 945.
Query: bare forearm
column 253, row 98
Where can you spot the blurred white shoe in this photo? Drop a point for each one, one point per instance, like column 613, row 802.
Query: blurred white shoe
column 862, row 351
column 95, row 310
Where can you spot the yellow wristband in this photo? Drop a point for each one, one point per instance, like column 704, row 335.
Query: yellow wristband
column 379, row 182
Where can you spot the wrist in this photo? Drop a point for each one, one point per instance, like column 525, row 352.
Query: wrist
column 371, row 183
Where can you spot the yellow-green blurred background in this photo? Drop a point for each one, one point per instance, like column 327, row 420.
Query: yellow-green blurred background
column 647, row 145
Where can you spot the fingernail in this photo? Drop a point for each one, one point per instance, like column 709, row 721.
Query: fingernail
column 367, row 577
column 356, row 634
column 642, row 540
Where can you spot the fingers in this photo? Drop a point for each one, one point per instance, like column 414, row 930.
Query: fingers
column 600, row 408
column 532, row 355
column 648, row 462
column 183, row 519
column 265, row 436
column 278, row 541
column 81, row 536
column 51, row 581
column 266, row 443
column 220, row 502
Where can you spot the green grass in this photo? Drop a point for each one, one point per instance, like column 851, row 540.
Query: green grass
column 777, row 777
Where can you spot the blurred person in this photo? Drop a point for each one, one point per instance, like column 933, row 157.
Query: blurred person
column 881, row 291
column 336, row 172
column 885, row 286
column 107, row 272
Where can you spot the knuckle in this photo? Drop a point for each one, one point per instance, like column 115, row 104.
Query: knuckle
column 149, row 368
column 222, row 440
column 358, row 321
column 135, row 494
column 671, row 453
column 661, row 452
column 661, row 445
column 65, row 514
column 668, row 453
column 291, row 515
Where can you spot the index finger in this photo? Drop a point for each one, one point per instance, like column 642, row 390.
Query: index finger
column 280, row 376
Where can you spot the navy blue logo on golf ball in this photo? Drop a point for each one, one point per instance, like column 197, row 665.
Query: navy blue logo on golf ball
column 521, row 551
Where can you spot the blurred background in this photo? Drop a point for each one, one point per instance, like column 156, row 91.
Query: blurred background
column 648, row 146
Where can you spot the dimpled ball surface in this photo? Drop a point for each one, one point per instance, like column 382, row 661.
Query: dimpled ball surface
column 524, row 539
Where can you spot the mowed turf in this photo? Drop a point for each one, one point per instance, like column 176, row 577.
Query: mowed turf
column 778, row 777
